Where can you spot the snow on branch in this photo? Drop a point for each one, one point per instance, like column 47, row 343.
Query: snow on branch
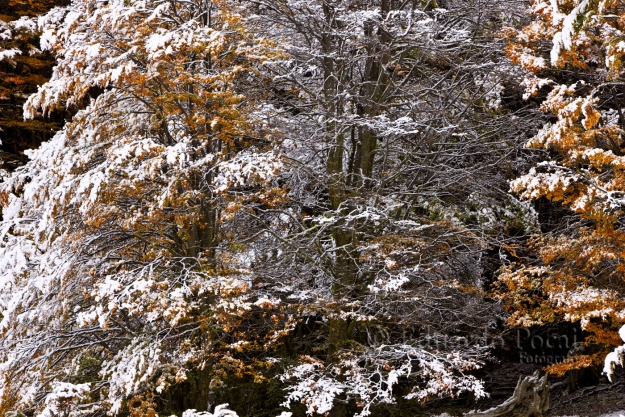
column 616, row 357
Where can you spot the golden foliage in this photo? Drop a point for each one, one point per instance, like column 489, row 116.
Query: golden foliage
column 576, row 362
column 575, row 274
column 21, row 75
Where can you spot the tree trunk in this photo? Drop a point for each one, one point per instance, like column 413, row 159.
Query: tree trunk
column 530, row 399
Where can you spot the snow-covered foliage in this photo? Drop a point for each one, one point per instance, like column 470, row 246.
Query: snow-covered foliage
column 108, row 243
column 243, row 178
column 319, row 385
column 579, row 269
column 616, row 357
column 62, row 398
column 12, row 34
column 220, row 411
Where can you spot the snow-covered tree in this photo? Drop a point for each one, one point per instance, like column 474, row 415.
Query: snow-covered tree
column 255, row 189
column 572, row 52
column 116, row 270
column 388, row 112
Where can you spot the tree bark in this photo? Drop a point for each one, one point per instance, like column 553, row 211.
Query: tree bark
column 530, row 399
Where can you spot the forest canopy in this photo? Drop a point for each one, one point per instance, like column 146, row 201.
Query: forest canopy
column 312, row 207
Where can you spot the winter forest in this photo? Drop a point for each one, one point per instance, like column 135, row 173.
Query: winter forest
column 276, row 208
